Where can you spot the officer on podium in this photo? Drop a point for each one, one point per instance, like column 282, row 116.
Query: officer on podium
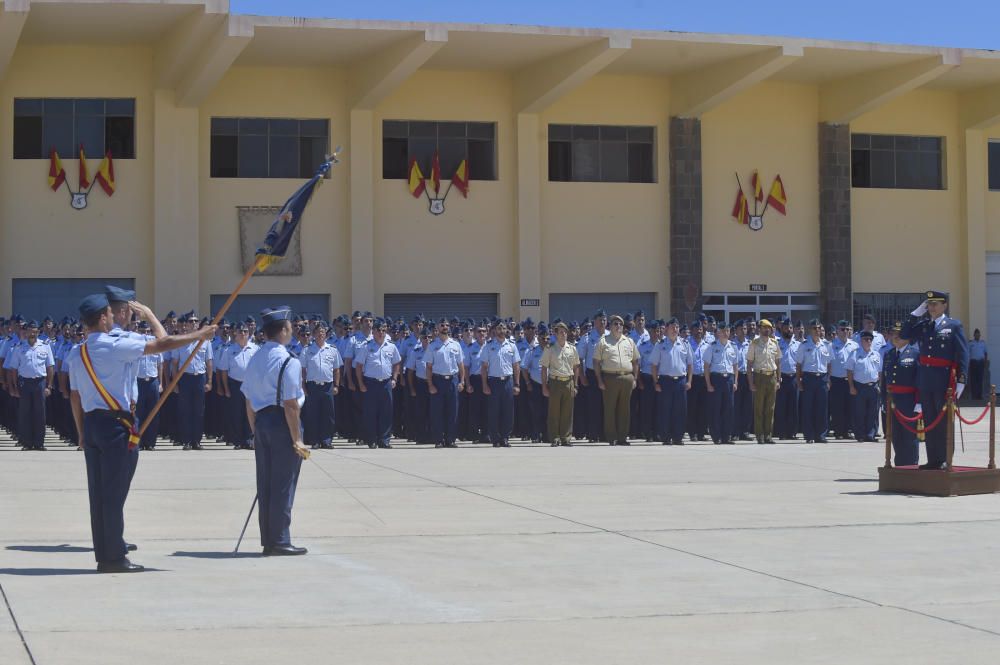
column 900, row 372
column 944, row 364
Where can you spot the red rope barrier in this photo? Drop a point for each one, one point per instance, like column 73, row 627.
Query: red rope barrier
column 904, row 419
column 972, row 422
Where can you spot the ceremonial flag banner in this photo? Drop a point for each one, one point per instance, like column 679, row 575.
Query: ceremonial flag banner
column 416, row 181
column 461, row 178
column 84, row 176
column 57, row 174
column 436, row 173
column 758, row 192
column 276, row 242
column 106, row 174
column 776, row 199
column 741, row 210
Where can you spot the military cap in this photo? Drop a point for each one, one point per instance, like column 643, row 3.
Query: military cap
column 765, row 322
column 542, row 329
column 116, row 294
column 627, row 317
column 320, row 323
column 356, row 315
column 443, row 321
column 710, row 319
column 897, row 326
column 615, row 317
column 683, row 328
column 640, row 313
column 517, row 327
column 528, row 323
column 797, row 323
column 574, row 324
column 868, row 317
column 279, row 313
column 143, row 325
column 723, row 325
column 47, row 319
column 601, row 314
column 559, row 325
column 843, row 323
column 249, row 320
column 97, row 302
column 815, row 322
column 2, row 320
column 17, row 318
column 171, row 314
column 31, row 324
column 867, row 334
column 205, row 320
column 784, row 321
column 377, row 322
column 367, row 315
column 739, row 322
column 696, row 323
column 936, row 296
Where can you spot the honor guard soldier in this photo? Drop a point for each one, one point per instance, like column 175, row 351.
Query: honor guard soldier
column 193, row 385
column 445, row 374
column 594, row 411
column 581, row 340
column 33, row 363
column 841, row 414
column 763, row 364
column 420, row 397
column 697, row 415
column 812, row 365
column 274, row 398
column 673, row 366
column 743, row 400
column 531, row 369
column 944, row 365
column 500, row 364
column 560, row 369
column 721, row 361
column 321, row 366
column 864, row 369
column 476, row 426
column 900, row 371
column 232, row 373
column 376, row 366
column 102, row 409
column 644, row 416
column 522, row 410
column 786, row 402
column 149, row 373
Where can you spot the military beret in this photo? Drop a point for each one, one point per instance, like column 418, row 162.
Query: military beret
column 116, row 294
column 723, row 325
column 843, row 323
column 937, row 296
column 601, row 314
column 31, row 324
column 92, row 304
column 356, row 315
column 542, row 329
column 867, row 334
column 279, row 313
column 672, row 321
column 640, row 313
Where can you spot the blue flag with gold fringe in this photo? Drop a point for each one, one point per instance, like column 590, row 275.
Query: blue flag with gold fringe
column 280, row 234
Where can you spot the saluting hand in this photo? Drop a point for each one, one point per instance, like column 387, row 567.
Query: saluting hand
column 143, row 311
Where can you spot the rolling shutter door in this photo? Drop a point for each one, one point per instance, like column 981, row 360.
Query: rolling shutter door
column 437, row 305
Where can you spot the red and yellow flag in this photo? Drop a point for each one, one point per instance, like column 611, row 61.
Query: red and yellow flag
column 741, row 211
column 436, row 173
column 415, row 179
column 84, row 176
column 758, row 192
column 57, row 174
column 777, row 199
column 106, row 174
column 461, row 178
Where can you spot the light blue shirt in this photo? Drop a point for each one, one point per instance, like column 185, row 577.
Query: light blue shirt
column 814, row 358
column 977, row 349
column 470, row 352
column 148, row 367
column 878, row 340
column 445, row 357
column 593, row 337
column 698, row 354
column 415, row 361
column 31, row 361
column 533, row 363
column 321, row 363
column 236, row 359
column 788, row 349
column 866, row 366
column 377, row 360
column 261, row 381
column 638, row 337
column 72, row 357
column 499, row 358
column 741, row 349
column 113, row 357
column 199, row 363
column 673, row 358
column 721, row 358
column 841, row 352
column 646, row 350
column 14, row 342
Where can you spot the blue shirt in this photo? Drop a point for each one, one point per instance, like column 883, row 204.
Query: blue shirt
column 376, row 360
column 260, row 384
column 741, row 350
column 814, row 358
column 499, row 358
column 721, row 358
column 445, row 357
column 236, row 359
column 788, row 347
column 200, row 361
column 415, row 361
column 866, row 366
column 638, row 337
column 878, row 340
column 148, row 367
column 533, row 363
column 673, row 358
column 72, row 356
column 593, row 337
column 646, row 356
column 977, row 349
column 470, row 353
column 320, row 363
column 698, row 354
column 841, row 352
column 31, row 361
column 112, row 357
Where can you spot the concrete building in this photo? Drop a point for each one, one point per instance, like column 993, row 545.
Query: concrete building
column 603, row 165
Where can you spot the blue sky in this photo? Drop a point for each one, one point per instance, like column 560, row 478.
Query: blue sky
column 963, row 23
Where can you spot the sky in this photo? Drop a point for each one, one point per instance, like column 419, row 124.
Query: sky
column 953, row 23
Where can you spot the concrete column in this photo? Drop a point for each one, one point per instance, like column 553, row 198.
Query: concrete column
column 359, row 156
column 529, row 216
column 175, row 207
column 836, row 294
column 685, row 217
column 976, row 182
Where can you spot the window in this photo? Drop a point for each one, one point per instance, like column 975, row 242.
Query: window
column 897, row 162
column 403, row 140
column 268, row 147
column 100, row 125
column 994, row 167
column 601, row 153
column 887, row 308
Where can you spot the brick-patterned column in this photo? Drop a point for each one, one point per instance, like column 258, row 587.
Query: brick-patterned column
column 835, row 222
column 685, row 217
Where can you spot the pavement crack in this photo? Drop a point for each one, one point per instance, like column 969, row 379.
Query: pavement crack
column 17, row 626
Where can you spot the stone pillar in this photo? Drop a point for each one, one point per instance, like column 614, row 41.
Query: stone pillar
column 362, row 211
column 529, row 216
column 685, row 217
column 836, row 294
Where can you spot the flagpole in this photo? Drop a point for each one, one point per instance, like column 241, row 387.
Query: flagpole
column 218, row 317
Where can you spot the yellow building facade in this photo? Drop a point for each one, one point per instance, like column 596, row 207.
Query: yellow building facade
column 527, row 241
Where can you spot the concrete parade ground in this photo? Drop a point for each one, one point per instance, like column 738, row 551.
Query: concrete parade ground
column 698, row 554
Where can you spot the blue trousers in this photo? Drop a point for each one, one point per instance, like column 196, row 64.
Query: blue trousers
column 721, row 407
column 743, row 408
column 31, row 412
column 318, row 414
column 377, row 410
column 671, row 408
column 904, row 442
column 840, row 406
column 477, row 409
column 697, row 407
column 501, row 409
column 420, row 429
column 237, row 425
column 933, row 387
column 149, row 393
column 538, row 405
column 110, row 465
column 191, row 409
column 814, row 404
column 865, row 411
column 444, row 410
column 786, row 408
column 277, row 476
column 645, row 422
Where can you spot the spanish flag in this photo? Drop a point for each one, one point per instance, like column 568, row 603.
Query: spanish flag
column 415, row 180
column 57, row 174
column 758, row 192
column 436, row 173
column 776, row 199
column 106, row 174
column 84, row 176
column 279, row 236
column 461, row 178
column 741, row 211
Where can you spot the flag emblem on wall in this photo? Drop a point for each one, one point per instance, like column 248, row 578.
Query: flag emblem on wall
column 105, row 177
column 776, row 199
column 418, row 185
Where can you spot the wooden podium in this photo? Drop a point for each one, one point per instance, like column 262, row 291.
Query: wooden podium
column 956, row 481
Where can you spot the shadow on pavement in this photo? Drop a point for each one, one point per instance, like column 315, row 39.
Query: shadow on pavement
column 219, row 555
column 856, row 480
column 58, row 549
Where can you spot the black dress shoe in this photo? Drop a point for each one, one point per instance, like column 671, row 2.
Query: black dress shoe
column 123, row 565
column 821, row 441
column 284, row 550
column 187, row 447
column 131, row 547
column 934, row 466
column 624, row 443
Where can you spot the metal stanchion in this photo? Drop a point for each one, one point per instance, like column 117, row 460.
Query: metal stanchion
column 993, row 428
column 950, row 424
column 889, row 416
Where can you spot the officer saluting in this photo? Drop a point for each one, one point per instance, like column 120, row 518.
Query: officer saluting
column 272, row 385
column 102, row 384
column 944, row 363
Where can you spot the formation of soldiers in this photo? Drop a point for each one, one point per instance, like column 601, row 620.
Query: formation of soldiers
column 370, row 380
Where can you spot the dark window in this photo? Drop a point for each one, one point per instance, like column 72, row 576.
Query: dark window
column 897, row 162
column 887, row 308
column 99, row 125
column 601, row 153
column 994, row 167
column 267, row 147
column 406, row 140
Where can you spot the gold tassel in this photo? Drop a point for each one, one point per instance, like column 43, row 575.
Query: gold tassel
column 920, row 428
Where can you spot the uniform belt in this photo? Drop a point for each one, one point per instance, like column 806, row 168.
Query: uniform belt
column 721, row 373
column 816, row 373
column 271, row 408
column 931, row 361
column 372, row 378
column 561, row 379
column 614, row 373
column 791, row 374
column 501, row 378
column 126, row 415
column 873, row 383
column 145, row 379
column 901, row 390
column 195, row 373
column 764, row 372
column 671, row 376
column 444, row 376
column 320, row 383
column 33, row 379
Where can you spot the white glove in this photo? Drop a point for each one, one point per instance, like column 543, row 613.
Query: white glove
column 917, row 408
column 959, row 387
column 921, row 310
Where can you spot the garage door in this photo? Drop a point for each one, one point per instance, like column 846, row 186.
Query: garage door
column 437, row 305
column 251, row 304
column 579, row 306
column 36, row 298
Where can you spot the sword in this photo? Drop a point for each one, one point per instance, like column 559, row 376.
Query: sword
column 245, row 524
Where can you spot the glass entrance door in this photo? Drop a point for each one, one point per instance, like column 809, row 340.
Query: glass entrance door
column 733, row 306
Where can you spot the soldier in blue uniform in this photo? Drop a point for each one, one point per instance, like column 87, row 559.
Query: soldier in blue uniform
column 721, row 360
column 646, row 424
column 376, row 366
column 743, row 400
column 841, row 415
column 274, row 398
column 786, row 401
column 673, row 366
column 812, row 365
column 900, row 371
column 864, row 370
column 531, row 368
column 232, row 372
column 445, row 374
column 34, row 365
column 321, row 365
column 149, row 374
column 500, row 364
column 944, row 365
column 697, row 397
